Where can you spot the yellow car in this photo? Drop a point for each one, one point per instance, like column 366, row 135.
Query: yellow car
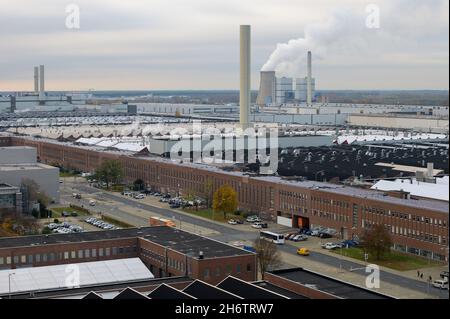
column 303, row 252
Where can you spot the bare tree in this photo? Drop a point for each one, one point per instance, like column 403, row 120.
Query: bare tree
column 268, row 256
column 377, row 241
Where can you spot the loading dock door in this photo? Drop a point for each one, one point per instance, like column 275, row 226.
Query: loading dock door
column 284, row 221
column 302, row 222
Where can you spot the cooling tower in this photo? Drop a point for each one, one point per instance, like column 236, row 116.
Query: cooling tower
column 245, row 61
column 266, row 93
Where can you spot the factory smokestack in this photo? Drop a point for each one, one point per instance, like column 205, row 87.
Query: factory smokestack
column 309, row 80
column 42, row 83
column 36, row 79
column 245, row 61
column 266, row 93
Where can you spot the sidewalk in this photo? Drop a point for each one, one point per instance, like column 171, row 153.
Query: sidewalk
column 313, row 244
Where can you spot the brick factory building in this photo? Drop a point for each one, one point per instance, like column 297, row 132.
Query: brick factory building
column 417, row 226
column 167, row 252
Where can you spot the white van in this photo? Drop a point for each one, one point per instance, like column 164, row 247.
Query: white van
column 441, row 284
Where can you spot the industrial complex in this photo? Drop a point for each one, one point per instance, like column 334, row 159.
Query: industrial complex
column 342, row 167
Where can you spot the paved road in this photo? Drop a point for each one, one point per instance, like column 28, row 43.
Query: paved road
column 228, row 234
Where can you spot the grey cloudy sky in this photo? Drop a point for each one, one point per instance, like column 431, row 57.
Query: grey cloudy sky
column 193, row 44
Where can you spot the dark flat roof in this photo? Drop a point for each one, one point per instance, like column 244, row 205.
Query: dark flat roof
column 279, row 290
column 178, row 240
column 327, row 284
column 202, row 290
column 129, row 294
column 98, row 289
column 165, row 292
column 247, row 290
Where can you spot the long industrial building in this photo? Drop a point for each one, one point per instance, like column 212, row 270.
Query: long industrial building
column 418, row 226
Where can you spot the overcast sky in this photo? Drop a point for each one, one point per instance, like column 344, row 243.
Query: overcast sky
column 193, row 44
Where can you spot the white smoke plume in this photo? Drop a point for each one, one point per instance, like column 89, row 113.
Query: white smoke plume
column 345, row 34
column 341, row 31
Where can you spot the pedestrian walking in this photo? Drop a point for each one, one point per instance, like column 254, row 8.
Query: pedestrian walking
column 421, row 276
column 418, row 273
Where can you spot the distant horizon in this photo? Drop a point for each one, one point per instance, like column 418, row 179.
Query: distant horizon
column 194, row 45
column 228, row 90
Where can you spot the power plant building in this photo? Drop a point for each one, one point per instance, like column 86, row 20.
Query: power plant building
column 275, row 90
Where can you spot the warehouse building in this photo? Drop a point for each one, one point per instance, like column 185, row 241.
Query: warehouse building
column 417, row 226
column 166, row 252
column 10, row 198
column 20, row 163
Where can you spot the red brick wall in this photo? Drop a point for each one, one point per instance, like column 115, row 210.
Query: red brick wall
column 297, row 288
column 263, row 197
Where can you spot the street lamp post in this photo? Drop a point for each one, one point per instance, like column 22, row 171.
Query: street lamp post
column 9, row 283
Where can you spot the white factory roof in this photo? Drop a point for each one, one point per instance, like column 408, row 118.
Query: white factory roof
column 91, row 273
column 437, row 191
column 129, row 147
column 350, row 138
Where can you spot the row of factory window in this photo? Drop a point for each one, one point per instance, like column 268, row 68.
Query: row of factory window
column 421, row 219
column 226, row 270
column 66, row 255
column 300, row 196
column 419, row 252
column 332, row 202
column 332, row 216
column 175, row 264
column 411, row 233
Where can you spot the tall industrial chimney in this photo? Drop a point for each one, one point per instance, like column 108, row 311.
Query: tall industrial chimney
column 245, row 60
column 309, row 80
column 42, row 83
column 36, row 79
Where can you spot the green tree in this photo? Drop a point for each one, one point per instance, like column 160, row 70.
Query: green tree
column 225, row 200
column 110, row 172
column 208, row 192
column 377, row 241
column 33, row 194
column 46, row 231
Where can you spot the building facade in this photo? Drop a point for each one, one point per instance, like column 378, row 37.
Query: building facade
column 417, row 226
column 167, row 252
column 20, row 163
column 10, row 198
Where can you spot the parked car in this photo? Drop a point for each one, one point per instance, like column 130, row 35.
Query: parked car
column 303, row 251
column 314, row 233
column 253, row 219
column 232, row 222
column 441, row 284
column 348, row 244
column 290, row 236
column 257, row 225
column 139, row 196
column 300, row 238
column 329, row 246
column 325, row 235
column 92, row 202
